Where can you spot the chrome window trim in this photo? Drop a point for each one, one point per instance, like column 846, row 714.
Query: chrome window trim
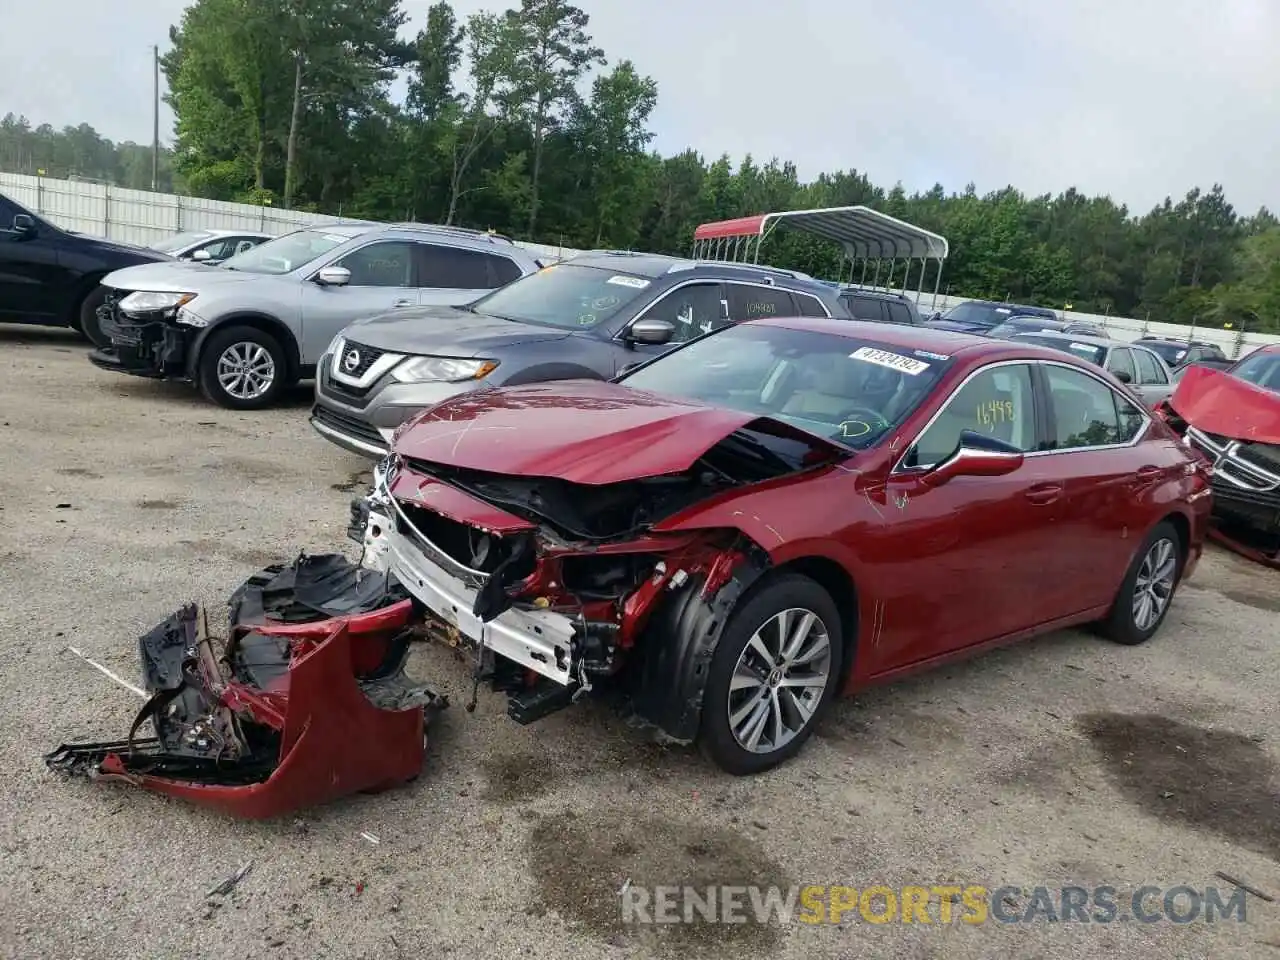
column 899, row 468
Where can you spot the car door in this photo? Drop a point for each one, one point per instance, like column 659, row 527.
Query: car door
column 1153, row 377
column 32, row 281
column 382, row 279
column 1092, row 433
column 969, row 558
column 451, row 276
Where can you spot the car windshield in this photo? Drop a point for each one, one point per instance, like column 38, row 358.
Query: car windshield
column 1260, row 369
column 180, row 241
column 840, row 388
column 286, row 253
column 1171, row 352
column 564, row 295
column 1085, row 351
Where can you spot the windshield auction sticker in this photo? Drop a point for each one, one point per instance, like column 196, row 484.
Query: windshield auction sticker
column 894, row 361
column 634, row 282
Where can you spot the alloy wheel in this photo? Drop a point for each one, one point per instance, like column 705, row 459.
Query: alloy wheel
column 246, row 370
column 779, row 680
column 1153, row 588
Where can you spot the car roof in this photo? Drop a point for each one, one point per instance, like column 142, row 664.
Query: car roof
column 849, row 291
column 1080, row 338
column 655, row 265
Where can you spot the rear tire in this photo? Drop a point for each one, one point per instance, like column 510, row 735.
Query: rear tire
column 751, row 677
column 86, row 318
column 1146, row 593
column 242, row 368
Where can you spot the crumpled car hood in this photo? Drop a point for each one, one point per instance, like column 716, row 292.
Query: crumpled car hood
column 1216, row 402
column 581, row 431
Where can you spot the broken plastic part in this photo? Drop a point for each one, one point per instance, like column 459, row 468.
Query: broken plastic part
column 306, row 700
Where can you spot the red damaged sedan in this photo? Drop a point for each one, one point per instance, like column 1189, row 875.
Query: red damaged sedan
column 780, row 511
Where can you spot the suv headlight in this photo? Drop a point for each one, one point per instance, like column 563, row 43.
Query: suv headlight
column 149, row 301
column 442, row 369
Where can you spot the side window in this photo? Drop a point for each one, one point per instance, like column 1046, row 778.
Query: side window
column 693, row 310
column 1148, row 367
column 898, row 313
column 865, row 308
column 1121, row 361
column 1085, row 410
column 1132, row 419
column 504, row 270
column 809, row 306
column 997, row 402
column 451, row 267
column 751, row 303
column 219, row 249
column 385, row 264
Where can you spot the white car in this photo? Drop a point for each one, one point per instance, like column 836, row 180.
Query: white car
column 210, row 246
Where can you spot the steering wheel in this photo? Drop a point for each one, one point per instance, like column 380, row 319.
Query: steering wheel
column 859, row 421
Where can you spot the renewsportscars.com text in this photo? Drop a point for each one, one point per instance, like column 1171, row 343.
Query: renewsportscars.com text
column 945, row 903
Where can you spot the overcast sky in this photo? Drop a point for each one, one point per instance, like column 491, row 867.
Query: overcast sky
column 1135, row 98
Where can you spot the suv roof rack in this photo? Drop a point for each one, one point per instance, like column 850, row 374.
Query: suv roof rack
column 489, row 235
column 755, row 268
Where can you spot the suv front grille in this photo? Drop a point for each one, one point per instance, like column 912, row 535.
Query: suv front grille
column 366, row 357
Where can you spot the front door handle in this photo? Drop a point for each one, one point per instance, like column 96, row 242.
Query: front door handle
column 1045, row 493
column 403, row 303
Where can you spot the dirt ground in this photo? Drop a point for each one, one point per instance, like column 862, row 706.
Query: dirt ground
column 1062, row 761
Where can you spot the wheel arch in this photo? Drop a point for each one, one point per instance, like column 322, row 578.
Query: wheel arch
column 840, row 587
column 258, row 321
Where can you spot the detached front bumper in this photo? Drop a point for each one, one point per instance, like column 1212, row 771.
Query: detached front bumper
column 305, row 701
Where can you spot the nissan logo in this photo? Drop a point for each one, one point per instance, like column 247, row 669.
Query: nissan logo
column 351, row 360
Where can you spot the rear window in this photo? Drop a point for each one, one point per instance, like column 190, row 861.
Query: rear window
column 1170, row 352
column 864, row 308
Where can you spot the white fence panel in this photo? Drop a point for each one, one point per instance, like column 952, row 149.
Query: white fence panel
column 139, row 216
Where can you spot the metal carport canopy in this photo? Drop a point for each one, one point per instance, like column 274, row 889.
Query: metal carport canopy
column 864, row 233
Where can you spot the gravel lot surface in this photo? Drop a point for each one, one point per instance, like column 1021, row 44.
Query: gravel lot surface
column 1062, row 761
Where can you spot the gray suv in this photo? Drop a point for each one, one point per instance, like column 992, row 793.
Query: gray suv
column 590, row 316
column 247, row 329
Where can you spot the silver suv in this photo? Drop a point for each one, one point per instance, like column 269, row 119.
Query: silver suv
column 248, row 329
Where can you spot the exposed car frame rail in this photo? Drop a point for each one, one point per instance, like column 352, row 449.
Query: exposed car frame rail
column 865, row 235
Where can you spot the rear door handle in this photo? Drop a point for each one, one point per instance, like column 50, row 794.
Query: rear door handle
column 1044, row 493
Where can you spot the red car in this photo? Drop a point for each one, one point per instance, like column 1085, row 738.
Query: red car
column 1232, row 418
column 780, row 511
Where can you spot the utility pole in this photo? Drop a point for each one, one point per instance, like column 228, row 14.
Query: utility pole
column 155, row 120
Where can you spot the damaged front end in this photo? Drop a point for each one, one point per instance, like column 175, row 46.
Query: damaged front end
column 1233, row 426
column 152, row 343
column 560, row 588
column 304, row 700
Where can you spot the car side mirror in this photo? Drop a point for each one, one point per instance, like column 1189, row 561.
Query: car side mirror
column 201, row 255
column 977, row 455
column 1122, row 376
column 23, row 225
column 651, row 331
column 333, row 277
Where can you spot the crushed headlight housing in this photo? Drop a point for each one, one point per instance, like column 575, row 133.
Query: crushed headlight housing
column 150, row 301
column 442, row 369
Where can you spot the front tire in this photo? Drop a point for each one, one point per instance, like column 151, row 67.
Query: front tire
column 1146, row 593
column 242, row 368
column 86, row 319
column 775, row 671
